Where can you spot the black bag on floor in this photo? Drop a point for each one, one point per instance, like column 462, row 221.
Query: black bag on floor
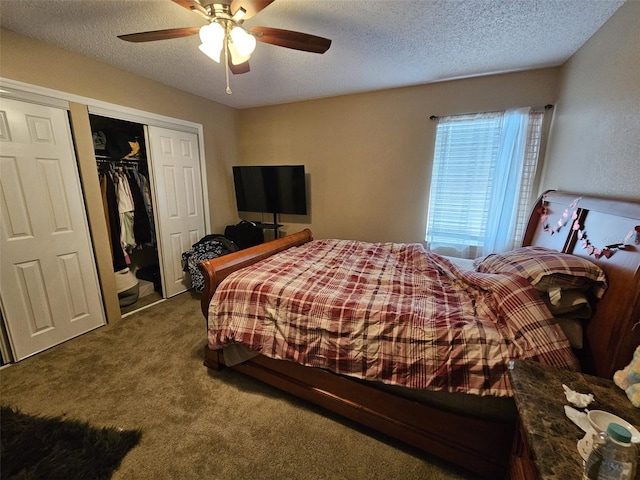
column 244, row 234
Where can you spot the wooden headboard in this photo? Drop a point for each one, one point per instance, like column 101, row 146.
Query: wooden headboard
column 613, row 333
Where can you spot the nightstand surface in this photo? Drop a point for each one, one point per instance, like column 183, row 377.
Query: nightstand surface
column 551, row 437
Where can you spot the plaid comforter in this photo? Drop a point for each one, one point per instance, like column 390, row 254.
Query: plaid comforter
column 387, row 312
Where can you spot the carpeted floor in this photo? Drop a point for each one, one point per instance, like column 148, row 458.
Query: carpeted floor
column 142, row 302
column 146, row 373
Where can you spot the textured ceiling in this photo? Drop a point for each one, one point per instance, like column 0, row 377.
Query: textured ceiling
column 377, row 44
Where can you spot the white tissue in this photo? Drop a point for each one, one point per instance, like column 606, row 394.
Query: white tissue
column 580, row 400
column 577, row 417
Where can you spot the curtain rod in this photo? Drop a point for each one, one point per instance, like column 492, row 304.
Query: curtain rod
column 436, row 117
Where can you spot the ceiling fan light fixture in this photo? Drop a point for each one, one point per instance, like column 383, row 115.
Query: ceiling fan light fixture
column 224, row 34
column 211, row 51
column 244, row 42
column 212, row 33
column 212, row 38
column 236, row 57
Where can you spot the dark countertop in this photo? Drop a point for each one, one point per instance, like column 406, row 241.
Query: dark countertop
column 551, row 436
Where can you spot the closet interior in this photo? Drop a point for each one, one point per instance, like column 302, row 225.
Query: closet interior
column 123, row 170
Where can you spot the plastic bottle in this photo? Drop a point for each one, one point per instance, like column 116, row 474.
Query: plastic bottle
column 613, row 457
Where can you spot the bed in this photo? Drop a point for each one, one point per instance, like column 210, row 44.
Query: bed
column 386, row 395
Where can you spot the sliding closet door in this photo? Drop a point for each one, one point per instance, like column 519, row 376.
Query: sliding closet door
column 175, row 164
column 48, row 280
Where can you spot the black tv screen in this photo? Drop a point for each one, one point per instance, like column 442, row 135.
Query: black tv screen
column 271, row 189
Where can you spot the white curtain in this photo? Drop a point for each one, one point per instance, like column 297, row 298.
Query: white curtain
column 501, row 215
column 482, row 181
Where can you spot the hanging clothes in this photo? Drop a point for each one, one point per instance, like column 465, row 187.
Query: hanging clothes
column 103, row 191
column 125, row 209
column 141, row 226
column 111, row 207
column 145, row 190
column 127, row 212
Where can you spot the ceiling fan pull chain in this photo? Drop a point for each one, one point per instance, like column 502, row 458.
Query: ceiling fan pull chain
column 226, row 64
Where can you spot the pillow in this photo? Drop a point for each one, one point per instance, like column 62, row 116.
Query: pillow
column 572, row 328
column 571, row 301
column 547, row 270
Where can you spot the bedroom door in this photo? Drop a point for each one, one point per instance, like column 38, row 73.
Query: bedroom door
column 48, row 281
column 175, row 164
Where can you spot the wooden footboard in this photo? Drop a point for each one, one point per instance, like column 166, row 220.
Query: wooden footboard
column 217, row 269
column 479, row 445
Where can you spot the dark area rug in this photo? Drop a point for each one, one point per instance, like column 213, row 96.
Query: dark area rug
column 54, row 448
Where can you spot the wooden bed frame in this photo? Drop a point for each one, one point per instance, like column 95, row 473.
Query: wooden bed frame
column 479, row 445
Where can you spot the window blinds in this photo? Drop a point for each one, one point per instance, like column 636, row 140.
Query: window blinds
column 464, row 176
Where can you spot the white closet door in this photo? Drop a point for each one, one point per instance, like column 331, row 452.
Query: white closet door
column 48, row 281
column 175, row 164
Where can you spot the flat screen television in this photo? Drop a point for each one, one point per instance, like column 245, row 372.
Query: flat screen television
column 271, row 189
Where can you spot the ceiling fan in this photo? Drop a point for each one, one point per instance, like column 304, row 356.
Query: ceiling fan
column 224, row 34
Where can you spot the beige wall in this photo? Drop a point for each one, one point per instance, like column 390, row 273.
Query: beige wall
column 368, row 156
column 594, row 145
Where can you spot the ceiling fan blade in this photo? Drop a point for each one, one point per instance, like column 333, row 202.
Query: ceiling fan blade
column 238, row 69
column 193, row 6
column 251, row 7
column 289, row 39
column 160, row 34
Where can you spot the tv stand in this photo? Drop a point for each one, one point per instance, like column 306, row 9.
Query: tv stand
column 271, row 226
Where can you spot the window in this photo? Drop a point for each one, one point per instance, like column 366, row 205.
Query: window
column 482, row 181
